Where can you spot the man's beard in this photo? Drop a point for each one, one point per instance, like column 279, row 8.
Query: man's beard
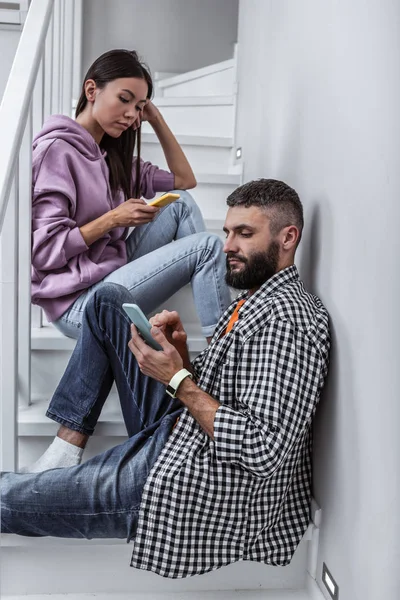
column 258, row 268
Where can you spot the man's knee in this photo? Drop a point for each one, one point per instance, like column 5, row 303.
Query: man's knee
column 106, row 302
column 110, row 294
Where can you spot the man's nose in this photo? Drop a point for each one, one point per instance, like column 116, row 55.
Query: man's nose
column 230, row 245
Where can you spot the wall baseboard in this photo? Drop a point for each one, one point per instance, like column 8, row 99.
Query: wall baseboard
column 314, row 592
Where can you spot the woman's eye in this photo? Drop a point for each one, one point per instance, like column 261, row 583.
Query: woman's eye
column 124, row 100
column 139, row 108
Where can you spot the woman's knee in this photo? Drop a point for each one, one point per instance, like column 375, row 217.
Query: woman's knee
column 186, row 200
column 211, row 244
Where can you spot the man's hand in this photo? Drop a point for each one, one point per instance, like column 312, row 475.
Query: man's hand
column 171, row 326
column 158, row 364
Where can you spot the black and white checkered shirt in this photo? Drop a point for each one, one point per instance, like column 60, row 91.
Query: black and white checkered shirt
column 245, row 495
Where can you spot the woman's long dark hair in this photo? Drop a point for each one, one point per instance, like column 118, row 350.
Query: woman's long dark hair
column 112, row 65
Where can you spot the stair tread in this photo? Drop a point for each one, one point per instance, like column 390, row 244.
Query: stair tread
column 219, row 178
column 163, row 101
column 49, row 338
column 200, row 595
column 196, row 73
column 35, row 413
column 191, row 140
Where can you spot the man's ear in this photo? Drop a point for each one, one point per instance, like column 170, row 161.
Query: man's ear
column 90, row 90
column 290, row 236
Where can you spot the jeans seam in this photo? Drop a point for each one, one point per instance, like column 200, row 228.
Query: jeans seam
column 93, row 514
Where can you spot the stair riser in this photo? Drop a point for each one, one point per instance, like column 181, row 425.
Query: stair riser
column 215, row 84
column 87, row 568
column 205, row 159
column 30, row 448
column 49, row 365
column 214, row 120
column 212, row 200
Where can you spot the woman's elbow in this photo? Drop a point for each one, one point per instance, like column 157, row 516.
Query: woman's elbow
column 185, row 183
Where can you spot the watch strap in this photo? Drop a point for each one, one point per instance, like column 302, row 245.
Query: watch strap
column 176, row 380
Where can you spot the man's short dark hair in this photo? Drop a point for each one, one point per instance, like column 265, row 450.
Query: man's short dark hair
column 282, row 202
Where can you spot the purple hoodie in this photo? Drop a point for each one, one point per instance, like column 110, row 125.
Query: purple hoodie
column 71, row 188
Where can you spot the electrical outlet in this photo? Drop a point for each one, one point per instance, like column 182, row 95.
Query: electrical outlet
column 330, row 583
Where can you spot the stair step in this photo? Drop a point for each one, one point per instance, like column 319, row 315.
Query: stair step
column 104, row 569
column 191, row 140
column 49, row 338
column 32, row 420
column 219, row 178
column 204, row 153
column 197, row 73
column 193, row 101
column 197, row 115
column 214, row 595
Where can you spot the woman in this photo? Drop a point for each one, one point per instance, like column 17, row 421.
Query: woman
column 87, row 188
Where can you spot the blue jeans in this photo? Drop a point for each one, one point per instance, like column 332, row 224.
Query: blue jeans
column 100, row 498
column 163, row 256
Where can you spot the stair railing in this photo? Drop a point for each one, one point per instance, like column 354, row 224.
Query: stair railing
column 40, row 83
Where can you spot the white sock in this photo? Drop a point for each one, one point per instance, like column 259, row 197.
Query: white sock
column 58, row 455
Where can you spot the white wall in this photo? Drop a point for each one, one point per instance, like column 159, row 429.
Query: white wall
column 171, row 35
column 319, row 107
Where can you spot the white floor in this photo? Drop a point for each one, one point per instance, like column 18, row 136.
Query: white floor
column 230, row 595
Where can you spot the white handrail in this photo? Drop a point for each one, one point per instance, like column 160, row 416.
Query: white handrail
column 14, row 109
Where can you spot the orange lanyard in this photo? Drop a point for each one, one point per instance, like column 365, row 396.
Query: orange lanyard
column 234, row 316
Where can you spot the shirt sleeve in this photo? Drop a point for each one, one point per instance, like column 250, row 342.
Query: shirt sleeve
column 55, row 235
column 56, row 238
column 153, row 179
column 277, row 388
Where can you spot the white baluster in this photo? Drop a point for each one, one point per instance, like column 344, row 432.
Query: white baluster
column 24, row 262
column 9, row 335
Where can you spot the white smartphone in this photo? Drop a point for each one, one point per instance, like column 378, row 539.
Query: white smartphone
column 142, row 324
column 164, row 200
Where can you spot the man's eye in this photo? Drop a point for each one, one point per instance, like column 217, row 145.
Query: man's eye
column 246, row 235
column 124, row 100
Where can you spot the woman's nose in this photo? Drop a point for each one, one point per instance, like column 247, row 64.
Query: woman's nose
column 131, row 112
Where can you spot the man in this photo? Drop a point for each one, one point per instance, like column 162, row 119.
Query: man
column 230, row 479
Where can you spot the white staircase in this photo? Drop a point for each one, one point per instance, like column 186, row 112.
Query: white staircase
column 200, row 108
column 210, row 156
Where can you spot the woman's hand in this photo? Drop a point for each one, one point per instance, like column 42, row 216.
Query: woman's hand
column 149, row 113
column 132, row 213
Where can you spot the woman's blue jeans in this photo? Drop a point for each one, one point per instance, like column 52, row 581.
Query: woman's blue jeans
column 100, row 498
column 163, row 256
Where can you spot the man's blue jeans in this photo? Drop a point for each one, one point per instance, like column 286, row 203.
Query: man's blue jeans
column 100, row 498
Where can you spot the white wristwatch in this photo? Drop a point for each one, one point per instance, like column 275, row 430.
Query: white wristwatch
column 176, row 380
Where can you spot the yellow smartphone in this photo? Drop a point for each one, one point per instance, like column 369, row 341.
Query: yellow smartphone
column 164, row 200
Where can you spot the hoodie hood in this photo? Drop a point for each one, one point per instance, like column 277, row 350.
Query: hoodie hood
column 61, row 127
